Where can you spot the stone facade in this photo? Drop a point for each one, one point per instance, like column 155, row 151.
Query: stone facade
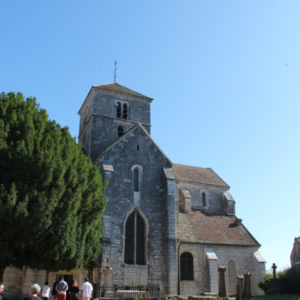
column 166, row 191
column 295, row 254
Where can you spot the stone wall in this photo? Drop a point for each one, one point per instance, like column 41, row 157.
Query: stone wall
column 241, row 255
column 214, row 196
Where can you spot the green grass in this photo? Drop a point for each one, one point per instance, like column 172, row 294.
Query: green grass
column 284, row 296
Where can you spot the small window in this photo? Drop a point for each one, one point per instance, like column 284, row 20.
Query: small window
column 120, row 131
column 186, row 266
column 137, row 147
column 204, row 200
column 118, row 110
column 136, row 187
column 125, row 111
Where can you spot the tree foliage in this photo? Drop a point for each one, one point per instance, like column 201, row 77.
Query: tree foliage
column 51, row 200
column 289, row 281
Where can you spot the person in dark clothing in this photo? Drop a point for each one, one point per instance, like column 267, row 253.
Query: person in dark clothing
column 74, row 290
column 54, row 292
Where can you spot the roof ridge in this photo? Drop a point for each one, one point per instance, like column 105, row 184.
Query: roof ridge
column 190, row 166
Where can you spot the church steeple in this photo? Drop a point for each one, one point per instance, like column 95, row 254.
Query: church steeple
column 108, row 112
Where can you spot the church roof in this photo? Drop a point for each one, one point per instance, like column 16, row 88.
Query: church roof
column 205, row 176
column 120, row 89
column 196, row 227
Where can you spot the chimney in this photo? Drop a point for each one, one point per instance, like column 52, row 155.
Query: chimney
column 238, row 222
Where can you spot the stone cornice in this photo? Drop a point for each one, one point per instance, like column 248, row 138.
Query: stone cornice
column 202, row 184
column 117, row 119
column 145, row 99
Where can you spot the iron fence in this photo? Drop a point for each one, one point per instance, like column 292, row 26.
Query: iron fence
column 128, row 291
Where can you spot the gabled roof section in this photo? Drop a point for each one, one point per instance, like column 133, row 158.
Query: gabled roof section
column 196, row 227
column 197, row 175
column 120, row 89
column 127, row 135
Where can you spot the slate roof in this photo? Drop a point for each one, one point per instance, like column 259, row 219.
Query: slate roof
column 118, row 88
column 198, row 175
column 196, row 227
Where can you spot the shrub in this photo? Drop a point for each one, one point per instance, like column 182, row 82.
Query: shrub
column 289, row 281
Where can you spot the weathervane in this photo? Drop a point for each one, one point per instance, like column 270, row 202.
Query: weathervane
column 115, row 71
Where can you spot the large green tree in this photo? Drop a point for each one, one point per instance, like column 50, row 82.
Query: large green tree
column 51, row 200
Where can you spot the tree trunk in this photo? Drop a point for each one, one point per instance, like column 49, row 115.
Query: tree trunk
column 1, row 273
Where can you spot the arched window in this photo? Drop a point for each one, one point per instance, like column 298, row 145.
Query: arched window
column 186, row 266
column 135, row 239
column 125, row 111
column 232, row 271
column 118, row 109
column 204, row 199
column 120, row 131
column 136, row 186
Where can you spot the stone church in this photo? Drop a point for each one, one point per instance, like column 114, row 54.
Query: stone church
column 165, row 223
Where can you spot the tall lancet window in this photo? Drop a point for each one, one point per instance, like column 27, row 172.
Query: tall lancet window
column 136, row 186
column 135, row 239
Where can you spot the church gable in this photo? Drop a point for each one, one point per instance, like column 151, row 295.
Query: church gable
column 125, row 140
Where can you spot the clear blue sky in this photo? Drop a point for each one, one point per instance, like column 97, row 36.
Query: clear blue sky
column 224, row 76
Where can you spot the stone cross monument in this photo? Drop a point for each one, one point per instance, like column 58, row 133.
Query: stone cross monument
column 275, row 290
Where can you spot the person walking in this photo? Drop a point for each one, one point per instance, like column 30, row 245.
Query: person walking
column 74, row 290
column 54, row 292
column 86, row 290
column 61, row 288
column 1, row 289
column 45, row 291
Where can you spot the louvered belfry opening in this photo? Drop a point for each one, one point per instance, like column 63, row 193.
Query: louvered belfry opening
column 186, row 266
column 125, row 111
column 118, row 110
column 135, row 239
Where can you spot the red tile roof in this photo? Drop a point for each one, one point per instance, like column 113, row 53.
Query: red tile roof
column 196, row 227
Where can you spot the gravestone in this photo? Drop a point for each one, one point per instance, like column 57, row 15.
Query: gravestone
column 247, row 286
column 275, row 289
column 222, row 287
column 239, row 287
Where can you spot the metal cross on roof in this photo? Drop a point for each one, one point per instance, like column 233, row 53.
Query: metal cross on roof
column 115, row 71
